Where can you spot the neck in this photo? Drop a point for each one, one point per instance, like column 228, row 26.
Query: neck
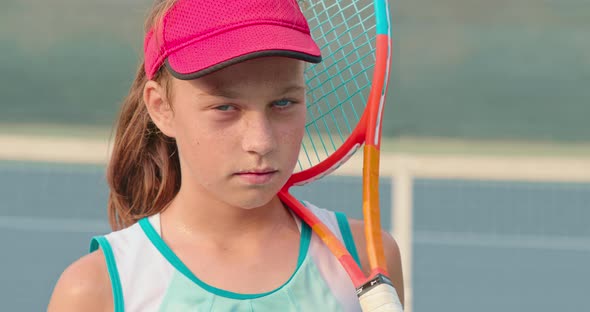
column 195, row 216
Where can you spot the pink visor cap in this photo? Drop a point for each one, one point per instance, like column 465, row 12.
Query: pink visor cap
column 198, row 37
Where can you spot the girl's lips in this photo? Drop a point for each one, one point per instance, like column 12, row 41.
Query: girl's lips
column 257, row 177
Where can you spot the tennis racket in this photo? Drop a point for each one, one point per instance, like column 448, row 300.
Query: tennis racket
column 345, row 100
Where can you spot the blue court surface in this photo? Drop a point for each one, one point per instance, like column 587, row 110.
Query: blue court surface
column 478, row 245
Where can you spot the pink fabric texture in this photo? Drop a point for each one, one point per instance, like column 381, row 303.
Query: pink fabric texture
column 197, row 35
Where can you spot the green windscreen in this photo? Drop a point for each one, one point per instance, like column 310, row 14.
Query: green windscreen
column 475, row 69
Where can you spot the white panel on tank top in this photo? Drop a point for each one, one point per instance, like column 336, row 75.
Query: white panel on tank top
column 143, row 271
column 330, row 268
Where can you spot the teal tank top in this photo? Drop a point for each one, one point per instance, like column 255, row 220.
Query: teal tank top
column 146, row 275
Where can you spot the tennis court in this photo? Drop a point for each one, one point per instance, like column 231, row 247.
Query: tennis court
column 477, row 245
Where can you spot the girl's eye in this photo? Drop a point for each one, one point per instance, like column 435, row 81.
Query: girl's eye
column 284, row 103
column 225, row 108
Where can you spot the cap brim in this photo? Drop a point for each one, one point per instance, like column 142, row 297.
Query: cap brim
column 238, row 45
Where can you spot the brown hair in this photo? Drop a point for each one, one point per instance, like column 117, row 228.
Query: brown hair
column 144, row 171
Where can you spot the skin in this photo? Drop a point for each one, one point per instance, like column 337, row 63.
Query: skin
column 249, row 235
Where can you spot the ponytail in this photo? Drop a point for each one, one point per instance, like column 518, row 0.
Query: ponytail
column 144, row 170
column 143, row 173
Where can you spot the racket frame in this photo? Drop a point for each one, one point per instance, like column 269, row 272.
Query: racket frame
column 367, row 132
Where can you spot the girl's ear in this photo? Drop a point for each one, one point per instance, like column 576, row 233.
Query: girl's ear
column 160, row 110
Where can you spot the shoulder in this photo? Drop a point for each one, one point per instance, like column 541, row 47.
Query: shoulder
column 392, row 254
column 83, row 286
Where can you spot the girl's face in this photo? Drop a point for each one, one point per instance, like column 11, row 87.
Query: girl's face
column 238, row 130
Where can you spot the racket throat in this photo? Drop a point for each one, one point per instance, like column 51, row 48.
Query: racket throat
column 371, row 211
column 376, row 281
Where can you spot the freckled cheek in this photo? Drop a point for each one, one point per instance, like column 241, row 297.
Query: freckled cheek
column 300, row 131
column 209, row 162
column 292, row 134
column 202, row 134
column 204, row 150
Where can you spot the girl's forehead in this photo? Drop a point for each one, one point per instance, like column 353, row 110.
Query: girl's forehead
column 269, row 66
column 272, row 72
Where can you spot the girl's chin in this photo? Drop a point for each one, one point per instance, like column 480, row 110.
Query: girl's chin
column 252, row 201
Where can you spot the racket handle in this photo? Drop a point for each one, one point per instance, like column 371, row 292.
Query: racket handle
column 380, row 298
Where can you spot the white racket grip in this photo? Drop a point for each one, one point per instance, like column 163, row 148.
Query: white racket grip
column 381, row 298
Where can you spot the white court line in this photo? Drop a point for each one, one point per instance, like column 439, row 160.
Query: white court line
column 502, row 241
column 529, row 168
column 54, row 149
column 53, row 225
column 489, row 168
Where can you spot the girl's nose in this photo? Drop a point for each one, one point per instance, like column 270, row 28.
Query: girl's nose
column 257, row 136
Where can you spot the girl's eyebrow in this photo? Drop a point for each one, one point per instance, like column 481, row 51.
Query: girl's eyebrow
column 293, row 88
column 228, row 92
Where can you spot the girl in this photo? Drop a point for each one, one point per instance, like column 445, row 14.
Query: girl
column 208, row 135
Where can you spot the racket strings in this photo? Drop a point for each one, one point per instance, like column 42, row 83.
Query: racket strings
column 338, row 88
